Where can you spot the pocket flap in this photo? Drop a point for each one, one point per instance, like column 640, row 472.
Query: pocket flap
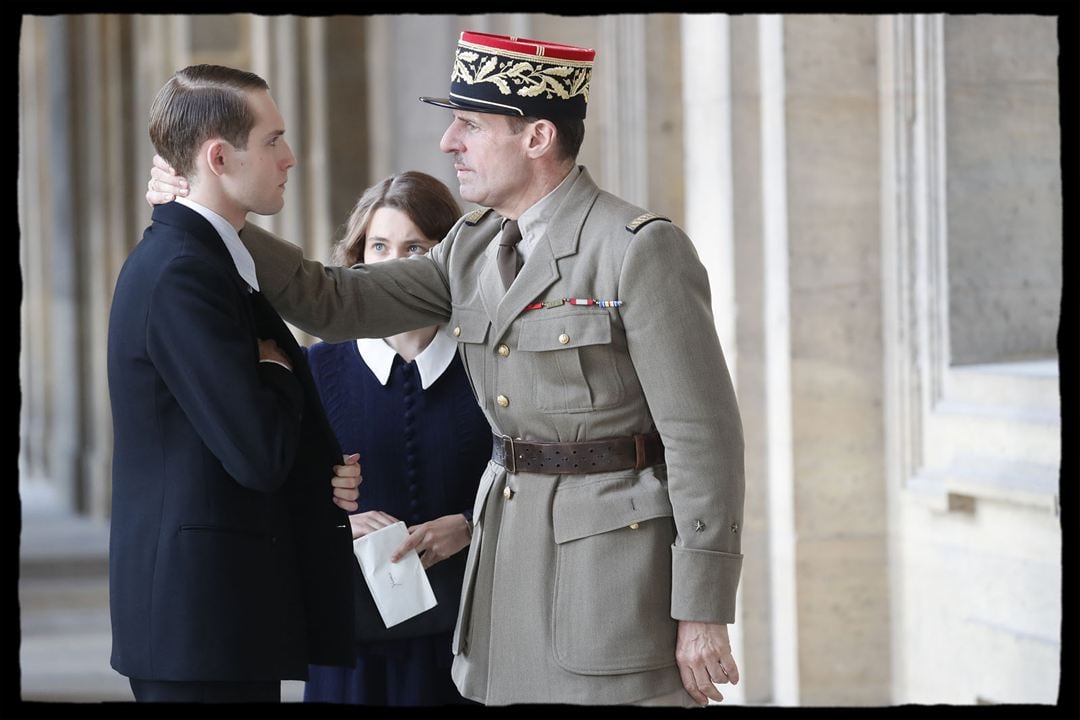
column 469, row 325
column 599, row 507
column 565, row 331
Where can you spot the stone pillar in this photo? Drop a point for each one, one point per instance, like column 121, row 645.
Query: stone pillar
column 316, row 139
column 410, row 56
column 619, row 77
column 706, row 128
column 349, row 163
column 94, row 270
column 706, row 103
column 65, row 434
column 834, row 271
column 776, row 328
column 662, row 83
column 153, row 65
column 262, row 38
column 34, row 199
column 747, row 227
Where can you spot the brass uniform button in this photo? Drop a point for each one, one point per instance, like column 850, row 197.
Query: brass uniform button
column 457, row 331
column 504, row 351
column 634, row 526
column 507, row 492
column 503, row 401
column 564, row 338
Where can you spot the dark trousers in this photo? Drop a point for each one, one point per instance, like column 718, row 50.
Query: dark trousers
column 206, row 692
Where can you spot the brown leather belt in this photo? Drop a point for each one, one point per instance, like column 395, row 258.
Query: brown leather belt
column 633, row 452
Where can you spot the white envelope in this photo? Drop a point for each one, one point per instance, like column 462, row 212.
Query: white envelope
column 401, row 590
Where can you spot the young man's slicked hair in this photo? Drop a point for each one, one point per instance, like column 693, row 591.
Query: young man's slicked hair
column 198, row 103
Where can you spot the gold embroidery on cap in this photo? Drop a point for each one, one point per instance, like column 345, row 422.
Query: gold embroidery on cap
column 561, row 80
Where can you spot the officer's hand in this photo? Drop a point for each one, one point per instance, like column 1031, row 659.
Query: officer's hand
column 703, row 654
column 164, row 184
column 346, row 483
column 370, row 521
column 436, row 540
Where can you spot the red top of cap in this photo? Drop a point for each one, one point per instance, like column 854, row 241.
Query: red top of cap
column 526, row 46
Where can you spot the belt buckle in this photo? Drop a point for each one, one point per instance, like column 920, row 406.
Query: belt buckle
column 512, row 465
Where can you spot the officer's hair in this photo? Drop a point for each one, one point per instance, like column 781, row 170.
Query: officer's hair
column 568, row 133
column 198, row 103
column 426, row 200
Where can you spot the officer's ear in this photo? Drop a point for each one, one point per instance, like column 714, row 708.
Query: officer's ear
column 540, row 138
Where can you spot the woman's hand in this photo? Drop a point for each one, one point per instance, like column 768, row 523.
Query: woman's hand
column 370, row 521
column 436, row 540
column 164, row 184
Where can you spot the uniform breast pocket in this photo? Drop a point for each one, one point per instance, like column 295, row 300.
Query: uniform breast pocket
column 573, row 361
column 469, row 326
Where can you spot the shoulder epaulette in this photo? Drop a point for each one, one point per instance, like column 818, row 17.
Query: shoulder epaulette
column 476, row 216
column 642, row 220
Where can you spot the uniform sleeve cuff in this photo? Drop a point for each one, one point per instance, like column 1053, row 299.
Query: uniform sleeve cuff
column 703, row 584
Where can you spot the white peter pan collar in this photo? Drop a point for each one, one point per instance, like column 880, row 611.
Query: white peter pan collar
column 431, row 363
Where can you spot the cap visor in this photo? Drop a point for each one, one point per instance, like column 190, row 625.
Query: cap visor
column 441, row 102
column 455, row 105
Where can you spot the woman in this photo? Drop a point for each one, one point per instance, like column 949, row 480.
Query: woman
column 405, row 405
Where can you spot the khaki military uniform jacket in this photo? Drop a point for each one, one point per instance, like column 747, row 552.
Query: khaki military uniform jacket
column 574, row 582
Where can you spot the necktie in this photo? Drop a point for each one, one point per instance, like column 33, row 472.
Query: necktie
column 508, row 259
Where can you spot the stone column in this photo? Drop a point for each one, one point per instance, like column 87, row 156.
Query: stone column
column 755, row 649
column 411, row 56
column 94, row 268
column 706, row 130
column 834, row 266
column 153, row 65
column 619, row 78
column 776, row 326
column 348, row 120
column 65, row 434
column 34, row 199
column 262, row 40
column 316, row 139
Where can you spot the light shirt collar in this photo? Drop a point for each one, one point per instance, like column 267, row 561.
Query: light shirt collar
column 534, row 221
column 431, row 363
column 245, row 264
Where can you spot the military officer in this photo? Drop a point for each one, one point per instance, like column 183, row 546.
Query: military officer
column 605, row 547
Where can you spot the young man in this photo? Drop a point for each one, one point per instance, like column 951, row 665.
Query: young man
column 606, row 542
column 229, row 563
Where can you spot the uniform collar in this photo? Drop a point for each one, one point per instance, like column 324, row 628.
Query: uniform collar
column 431, row 363
column 241, row 257
column 533, row 222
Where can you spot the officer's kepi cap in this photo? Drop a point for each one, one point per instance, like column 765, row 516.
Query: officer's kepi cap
column 517, row 76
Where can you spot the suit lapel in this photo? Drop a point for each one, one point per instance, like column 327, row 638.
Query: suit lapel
column 198, row 227
column 268, row 324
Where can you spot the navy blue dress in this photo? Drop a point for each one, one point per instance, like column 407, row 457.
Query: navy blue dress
column 422, row 453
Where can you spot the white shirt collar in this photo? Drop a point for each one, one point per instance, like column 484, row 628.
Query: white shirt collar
column 245, row 264
column 431, row 362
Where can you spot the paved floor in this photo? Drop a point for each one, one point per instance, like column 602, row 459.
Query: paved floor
column 64, row 612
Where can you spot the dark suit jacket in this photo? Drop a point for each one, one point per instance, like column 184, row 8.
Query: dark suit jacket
column 227, row 558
